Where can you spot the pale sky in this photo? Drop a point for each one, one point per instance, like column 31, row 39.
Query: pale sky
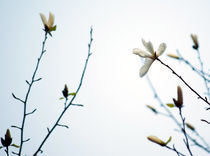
column 114, row 120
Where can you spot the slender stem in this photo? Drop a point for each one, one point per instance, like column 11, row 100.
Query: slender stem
column 184, row 131
column 27, row 95
column 174, row 149
column 204, row 99
column 7, row 150
column 71, row 101
column 161, row 103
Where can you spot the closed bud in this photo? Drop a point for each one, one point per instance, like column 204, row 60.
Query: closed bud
column 156, row 140
column 65, row 91
column 179, row 101
column 152, row 109
column 7, row 140
column 195, row 41
column 173, row 56
column 190, row 126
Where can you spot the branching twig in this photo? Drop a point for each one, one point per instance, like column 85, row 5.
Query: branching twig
column 181, row 58
column 174, row 149
column 174, row 119
column 71, row 101
column 202, row 72
column 184, row 131
column 27, row 95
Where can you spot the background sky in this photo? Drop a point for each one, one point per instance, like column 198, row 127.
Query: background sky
column 114, row 120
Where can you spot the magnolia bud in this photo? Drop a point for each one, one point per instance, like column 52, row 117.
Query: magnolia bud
column 65, row 91
column 195, row 41
column 179, row 101
column 7, row 140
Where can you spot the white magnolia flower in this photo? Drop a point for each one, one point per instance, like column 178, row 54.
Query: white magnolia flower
column 48, row 24
column 150, row 55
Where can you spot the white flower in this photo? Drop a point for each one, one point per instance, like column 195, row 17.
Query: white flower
column 48, row 24
column 150, row 55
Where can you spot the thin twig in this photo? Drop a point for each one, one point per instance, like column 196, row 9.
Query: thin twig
column 27, row 95
column 31, row 112
column 199, row 96
column 181, row 58
column 63, row 125
column 202, row 72
column 71, row 101
column 184, row 131
column 15, row 97
column 174, row 149
column 205, row 121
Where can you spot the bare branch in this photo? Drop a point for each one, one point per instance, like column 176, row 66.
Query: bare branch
column 17, row 98
column 81, row 105
column 13, row 126
column 26, row 140
column 37, row 79
column 205, row 121
column 63, row 125
column 31, row 112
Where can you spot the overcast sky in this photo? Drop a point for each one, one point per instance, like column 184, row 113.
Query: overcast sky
column 114, row 120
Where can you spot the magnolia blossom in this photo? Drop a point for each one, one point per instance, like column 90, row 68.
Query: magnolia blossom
column 150, row 55
column 48, row 24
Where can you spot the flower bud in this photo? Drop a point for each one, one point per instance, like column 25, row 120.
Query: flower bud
column 179, row 101
column 190, row 126
column 173, row 56
column 152, row 109
column 65, row 91
column 195, row 41
column 156, row 140
column 7, row 140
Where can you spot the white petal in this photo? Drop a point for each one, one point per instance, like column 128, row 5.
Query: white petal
column 144, row 69
column 51, row 20
column 161, row 49
column 141, row 53
column 148, row 46
column 44, row 20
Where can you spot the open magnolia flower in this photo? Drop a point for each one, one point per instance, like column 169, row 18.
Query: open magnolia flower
column 48, row 25
column 150, row 55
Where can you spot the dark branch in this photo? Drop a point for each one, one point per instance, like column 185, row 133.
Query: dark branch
column 31, row 112
column 17, row 98
column 63, row 125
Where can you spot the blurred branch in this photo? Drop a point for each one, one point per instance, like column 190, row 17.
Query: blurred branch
column 202, row 72
column 27, row 95
column 71, row 101
column 184, row 131
column 175, row 150
column 181, row 58
column 170, row 115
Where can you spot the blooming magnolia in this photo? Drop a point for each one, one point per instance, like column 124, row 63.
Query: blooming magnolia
column 150, row 55
column 48, row 25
